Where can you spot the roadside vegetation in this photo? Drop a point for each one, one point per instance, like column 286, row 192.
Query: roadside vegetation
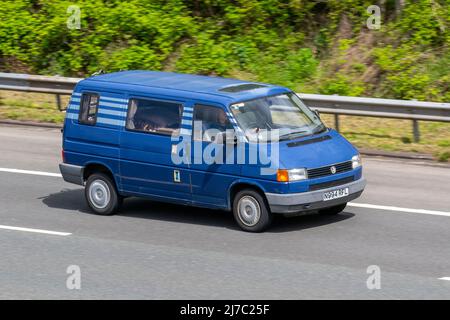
column 369, row 133
column 310, row 46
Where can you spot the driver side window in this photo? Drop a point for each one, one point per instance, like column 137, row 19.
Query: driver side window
column 209, row 121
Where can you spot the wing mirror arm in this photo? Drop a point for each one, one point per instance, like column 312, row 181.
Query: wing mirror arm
column 317, row 113
column 223, row 138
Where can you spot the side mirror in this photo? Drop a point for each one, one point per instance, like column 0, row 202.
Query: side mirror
column 225, row 138
column 232, row 140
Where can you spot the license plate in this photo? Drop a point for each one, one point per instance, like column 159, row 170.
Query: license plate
column 335, row 194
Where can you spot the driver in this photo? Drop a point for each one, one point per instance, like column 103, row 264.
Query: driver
column 222, row 123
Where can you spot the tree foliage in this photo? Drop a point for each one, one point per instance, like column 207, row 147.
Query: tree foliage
column 313, row 46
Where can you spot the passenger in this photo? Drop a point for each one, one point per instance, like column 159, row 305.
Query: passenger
column 144, row 124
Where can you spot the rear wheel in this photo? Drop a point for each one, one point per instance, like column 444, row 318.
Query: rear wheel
column 101, row 194
column 251, row 211
column 333, row 210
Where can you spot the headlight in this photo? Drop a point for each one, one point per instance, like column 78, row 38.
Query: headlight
column 356, row 161
column 284, row 175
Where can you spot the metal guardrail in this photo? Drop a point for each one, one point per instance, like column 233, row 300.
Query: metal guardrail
column 379, row 108
column 327, row 104
column 35, row 83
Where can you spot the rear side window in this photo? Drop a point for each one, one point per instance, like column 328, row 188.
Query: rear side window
column 154, row 116
column 88, row 108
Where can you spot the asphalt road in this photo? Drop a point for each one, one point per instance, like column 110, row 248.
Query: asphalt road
column 161, row 251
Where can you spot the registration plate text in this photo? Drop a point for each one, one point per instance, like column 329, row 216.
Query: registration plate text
column 335, row 194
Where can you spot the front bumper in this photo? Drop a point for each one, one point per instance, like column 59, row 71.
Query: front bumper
column 313, row 200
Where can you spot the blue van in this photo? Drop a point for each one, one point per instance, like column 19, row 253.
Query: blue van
column 149, row 134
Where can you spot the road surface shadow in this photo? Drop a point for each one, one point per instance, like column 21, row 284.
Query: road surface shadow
column 307, row 221
column 73, row 200
column 67, row 199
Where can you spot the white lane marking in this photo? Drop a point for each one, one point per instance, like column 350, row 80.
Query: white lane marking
column 38, row 173
column 445, row 278
column 390, row 208
column 56, row 233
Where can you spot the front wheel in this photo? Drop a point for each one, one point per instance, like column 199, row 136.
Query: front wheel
column 333, row 210
column 250, row 211
column 101, row 194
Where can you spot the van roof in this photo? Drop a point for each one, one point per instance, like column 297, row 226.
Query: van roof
column 216, row 88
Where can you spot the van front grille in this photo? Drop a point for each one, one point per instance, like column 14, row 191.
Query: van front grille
column 329, row 184
column 326, row 171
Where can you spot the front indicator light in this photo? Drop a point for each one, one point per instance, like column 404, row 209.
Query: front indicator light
column 284, row 175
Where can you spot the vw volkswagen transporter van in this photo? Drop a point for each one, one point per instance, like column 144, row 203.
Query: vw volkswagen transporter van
column 251, row 148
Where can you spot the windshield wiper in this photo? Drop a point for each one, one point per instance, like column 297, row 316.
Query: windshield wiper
column 289, row 135
column 293, row 134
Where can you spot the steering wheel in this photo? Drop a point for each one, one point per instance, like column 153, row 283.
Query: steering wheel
column 253, row 125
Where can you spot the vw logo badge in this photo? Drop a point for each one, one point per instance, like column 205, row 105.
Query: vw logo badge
column 333, row 169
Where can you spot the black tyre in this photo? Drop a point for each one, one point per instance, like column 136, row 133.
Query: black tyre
column 333, row 210
column 251, row 211
column 101, row 194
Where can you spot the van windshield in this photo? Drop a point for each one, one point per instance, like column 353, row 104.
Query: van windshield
column 282, row 117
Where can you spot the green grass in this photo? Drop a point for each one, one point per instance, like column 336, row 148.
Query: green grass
column 395, row 135
column 31, row 106
column 364, row 132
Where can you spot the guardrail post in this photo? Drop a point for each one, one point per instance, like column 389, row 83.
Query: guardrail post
column 336, row 122
column 58, row 102
column 416, row 131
